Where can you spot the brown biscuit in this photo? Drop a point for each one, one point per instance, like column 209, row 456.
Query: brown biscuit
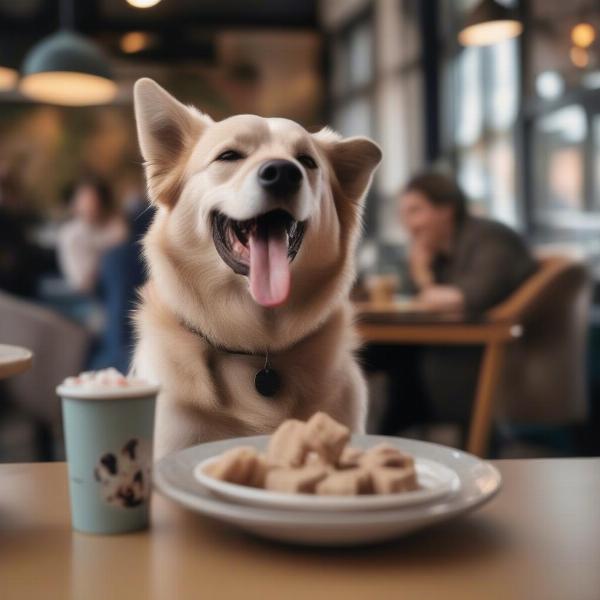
column 314, row 459
column 386, row 455
column 350, row 457
column 239, row 465
column 295, row 481
column 388, row 480
column 326, row 436
column 349, row 482
column 259, row 472
column 287, row 447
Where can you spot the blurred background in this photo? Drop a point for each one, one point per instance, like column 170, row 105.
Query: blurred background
column 513, row 112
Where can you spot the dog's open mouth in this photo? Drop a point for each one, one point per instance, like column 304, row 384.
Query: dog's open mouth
column 262, row 249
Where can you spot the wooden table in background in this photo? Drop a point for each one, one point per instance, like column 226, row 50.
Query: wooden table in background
column 406, row 323
column 14, row 360
column 539, row 539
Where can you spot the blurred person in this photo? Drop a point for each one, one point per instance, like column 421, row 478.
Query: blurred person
column 122, row 272
column 22, row 262
column 458, row 262
column 95, row 227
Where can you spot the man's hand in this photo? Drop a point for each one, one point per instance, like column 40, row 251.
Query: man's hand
column 420, row 264
column 442, row 298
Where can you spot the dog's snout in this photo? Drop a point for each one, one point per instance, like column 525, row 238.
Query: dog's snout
column 280, row 177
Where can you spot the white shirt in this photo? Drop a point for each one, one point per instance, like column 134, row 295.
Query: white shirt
column 81, row 247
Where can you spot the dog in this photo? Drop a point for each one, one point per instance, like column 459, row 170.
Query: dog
column 125, row 478
column 245, row 320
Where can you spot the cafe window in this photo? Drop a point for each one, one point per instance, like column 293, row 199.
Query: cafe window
column 562, row 47
column 352, row 63
column 400, row 108
column 558, row 152
column 596, row 162
column 480, row 106
column 563, row 109
column 375, row 90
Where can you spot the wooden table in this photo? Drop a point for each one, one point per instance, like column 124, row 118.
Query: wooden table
column 14, row 360
column 407, row 324
column 539, row 539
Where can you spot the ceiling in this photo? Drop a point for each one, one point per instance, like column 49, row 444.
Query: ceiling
column 182, row 28
column 100, row 15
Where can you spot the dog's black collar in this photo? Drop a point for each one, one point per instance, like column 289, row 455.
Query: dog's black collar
column 267, row 380
column 219, row 347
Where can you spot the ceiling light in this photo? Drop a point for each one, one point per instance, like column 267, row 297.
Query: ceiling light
column 583, row 35
column 579, row 57
column 135, row 41
column 143, row 3
column 66, row 68
column 489, row 23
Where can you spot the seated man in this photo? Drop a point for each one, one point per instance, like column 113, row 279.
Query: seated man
column 458, row 262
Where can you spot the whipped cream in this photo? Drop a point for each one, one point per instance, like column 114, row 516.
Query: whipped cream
column 105, row 382
column 104, row 378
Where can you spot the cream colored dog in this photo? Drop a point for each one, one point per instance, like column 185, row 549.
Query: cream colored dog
column 251, row 259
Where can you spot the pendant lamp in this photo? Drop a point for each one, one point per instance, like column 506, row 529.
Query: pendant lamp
column 489, row 23
column 67, row 69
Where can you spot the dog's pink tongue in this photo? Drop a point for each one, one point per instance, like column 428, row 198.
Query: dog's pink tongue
column 269, row 266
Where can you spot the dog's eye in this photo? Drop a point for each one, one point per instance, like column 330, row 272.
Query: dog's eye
column 230, row 155
column 307, row 161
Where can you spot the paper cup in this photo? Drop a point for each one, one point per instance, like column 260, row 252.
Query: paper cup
column 108, row 438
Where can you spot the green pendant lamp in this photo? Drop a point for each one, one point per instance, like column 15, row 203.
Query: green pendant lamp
column 67, row 69
column 489, row 23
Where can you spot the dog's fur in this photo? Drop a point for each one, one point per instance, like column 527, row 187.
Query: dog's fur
column 208, row 393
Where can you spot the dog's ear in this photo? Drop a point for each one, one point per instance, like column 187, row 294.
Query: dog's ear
column 166, row 130
column 353, row 161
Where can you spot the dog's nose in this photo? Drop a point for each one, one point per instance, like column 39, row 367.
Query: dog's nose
column 280, row 177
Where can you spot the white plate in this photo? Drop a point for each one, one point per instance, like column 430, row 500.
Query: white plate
column 435, row 479
column 479, row 482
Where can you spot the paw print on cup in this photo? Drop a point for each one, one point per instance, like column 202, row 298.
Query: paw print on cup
column 125, row 478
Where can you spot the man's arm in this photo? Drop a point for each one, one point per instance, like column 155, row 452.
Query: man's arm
column 421, row 265
column 490, row 277
column 442, row 298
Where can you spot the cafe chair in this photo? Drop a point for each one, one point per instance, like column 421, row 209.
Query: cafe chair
column 542, row 378
column 29, row 405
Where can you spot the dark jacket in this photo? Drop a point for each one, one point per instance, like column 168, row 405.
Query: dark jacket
column 122, row 273
column 489, row 261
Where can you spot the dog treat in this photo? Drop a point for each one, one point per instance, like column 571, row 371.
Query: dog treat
column 241, row 465
column 350, row 457
column 349, row 482
column 326, row 436
column 287, row 447
column 388, row 480
column 295, row 481
column 259, row 472
column 313, row 458
column 385, row 455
